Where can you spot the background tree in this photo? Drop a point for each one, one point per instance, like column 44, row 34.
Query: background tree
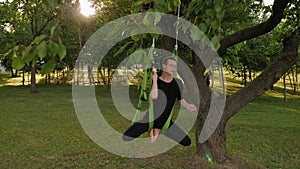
column 28, row 22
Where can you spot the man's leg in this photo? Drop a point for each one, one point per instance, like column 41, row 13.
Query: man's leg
column 177, row 134
column 134, row 131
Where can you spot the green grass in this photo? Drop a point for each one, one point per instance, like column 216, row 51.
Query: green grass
column 42, row 131
column 267, row 131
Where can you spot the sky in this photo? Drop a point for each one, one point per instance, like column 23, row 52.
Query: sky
column 268, row 2
column 86, row 8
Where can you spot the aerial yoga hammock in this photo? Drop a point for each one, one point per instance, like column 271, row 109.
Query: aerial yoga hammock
column 147, row 78
column 183, row 139
column 144, row 95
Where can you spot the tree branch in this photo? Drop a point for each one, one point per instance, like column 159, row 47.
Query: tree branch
column 257, row 30
column 269, row 76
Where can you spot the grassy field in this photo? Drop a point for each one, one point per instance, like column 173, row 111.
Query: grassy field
column 42, row 131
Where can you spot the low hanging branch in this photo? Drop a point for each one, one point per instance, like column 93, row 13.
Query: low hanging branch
column 269, row 76
column 255, row 31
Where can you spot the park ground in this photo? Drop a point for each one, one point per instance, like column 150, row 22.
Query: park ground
column 41, row 130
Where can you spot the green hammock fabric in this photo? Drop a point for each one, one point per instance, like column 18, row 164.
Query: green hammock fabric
column 144, row 96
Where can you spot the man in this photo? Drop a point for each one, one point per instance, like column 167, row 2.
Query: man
column 165, row 90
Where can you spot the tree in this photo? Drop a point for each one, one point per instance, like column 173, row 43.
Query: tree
column 207, row 16
column 28, row 24
column 217, row 142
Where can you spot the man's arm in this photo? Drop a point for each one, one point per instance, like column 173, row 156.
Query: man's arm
column 154, row 91
column 189, row 107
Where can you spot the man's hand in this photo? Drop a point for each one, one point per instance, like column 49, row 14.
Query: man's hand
column 154, row 75
column 191, row 108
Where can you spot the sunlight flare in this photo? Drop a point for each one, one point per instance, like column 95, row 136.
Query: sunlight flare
column 86, row 8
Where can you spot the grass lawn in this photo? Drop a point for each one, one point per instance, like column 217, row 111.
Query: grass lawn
column 42, row 131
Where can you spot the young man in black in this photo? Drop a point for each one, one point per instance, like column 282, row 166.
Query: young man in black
column 165, row 91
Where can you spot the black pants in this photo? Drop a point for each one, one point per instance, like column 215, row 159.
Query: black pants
column 173, row 132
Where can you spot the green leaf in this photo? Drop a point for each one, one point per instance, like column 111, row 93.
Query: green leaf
column 52, row 30
column 28, row 55
column 17, row 63
column 161, row 5
column 62, row 50
column 171, row 5
column 157, row 17
column 195, row 34
column 185, row 26
column 136, row 37
column 48, row 67
column 203, row 27
column 210, row 12
column 53, row 48
column 215, row 24
column 177, row 3
column 220, row 15
column 41, row 50
column 149, row 19
column 16, row 48
column 215, row 42
column 38, row 39
column 218, row 6
column 136, row 34
column 27, row 51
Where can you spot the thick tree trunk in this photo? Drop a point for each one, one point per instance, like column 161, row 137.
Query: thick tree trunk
column 214, row 149
column 215, row 146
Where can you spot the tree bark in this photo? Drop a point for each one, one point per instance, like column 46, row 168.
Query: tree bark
column 33, row 80
column 284, row 88
column 215, row 146
column 267, row 78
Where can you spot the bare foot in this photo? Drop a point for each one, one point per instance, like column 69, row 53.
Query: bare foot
column 154, row 135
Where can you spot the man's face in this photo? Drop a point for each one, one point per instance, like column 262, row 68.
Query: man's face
column 170, row 67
